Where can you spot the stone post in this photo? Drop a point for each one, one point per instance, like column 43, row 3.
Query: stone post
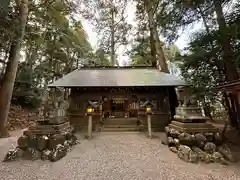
column 149, row 126
column 149, row 114
column 90, row 111
column 89, row 126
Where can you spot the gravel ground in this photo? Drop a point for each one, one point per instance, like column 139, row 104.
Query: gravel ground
column 114, row 156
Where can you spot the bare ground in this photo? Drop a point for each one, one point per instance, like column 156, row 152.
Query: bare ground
column 113, row 156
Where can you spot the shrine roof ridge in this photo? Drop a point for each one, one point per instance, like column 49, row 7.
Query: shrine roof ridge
column 116, row 67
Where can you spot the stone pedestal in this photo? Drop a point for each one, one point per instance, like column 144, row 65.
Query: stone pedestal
column 190, row 119
column 50, row 139
column 192, row 138
column 50, row 129
column 189, row 116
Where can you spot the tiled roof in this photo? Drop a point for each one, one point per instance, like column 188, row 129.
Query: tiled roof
column 122, row 77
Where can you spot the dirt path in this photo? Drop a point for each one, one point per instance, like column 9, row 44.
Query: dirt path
column 115, row 156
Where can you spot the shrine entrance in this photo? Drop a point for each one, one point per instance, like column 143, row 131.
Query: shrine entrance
column 119, row 105
column 115, row 106
column 118, row 115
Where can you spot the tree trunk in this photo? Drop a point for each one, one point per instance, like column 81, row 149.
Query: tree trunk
column 113, row 61
column 231, row 70
column 153, row 50
column 11, row 70
column 149, row 4
column 30, row 61
column 4, row 63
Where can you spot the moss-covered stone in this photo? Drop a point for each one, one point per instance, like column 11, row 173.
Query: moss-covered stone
column 210, row 147
column 170, row 141
column 46, row 154
column 11, row 155
column 173, row 149
column 55, row 140
column 22, row 142
column 42, row 142
column 183, row 152
column 227, row 153
column 58, row 153
column 187, row 139
column 32, row 154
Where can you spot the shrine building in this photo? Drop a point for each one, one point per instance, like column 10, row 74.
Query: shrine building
column 121, row 93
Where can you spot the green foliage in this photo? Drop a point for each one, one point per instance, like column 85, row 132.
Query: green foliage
column 203, row 65
column 55, row 42
column 53, row 45
column 109, row 20
column 26, row 98
column 102, row 58
column 204, row 61
column 141, row 52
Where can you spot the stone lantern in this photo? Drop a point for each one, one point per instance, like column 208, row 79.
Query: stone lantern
column 92, row 105
column 148, row 106
column 90, row 111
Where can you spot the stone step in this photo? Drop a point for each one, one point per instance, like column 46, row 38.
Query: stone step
column 120, row 125
column 120, row 121
column 125, row 129
column 154, row 129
